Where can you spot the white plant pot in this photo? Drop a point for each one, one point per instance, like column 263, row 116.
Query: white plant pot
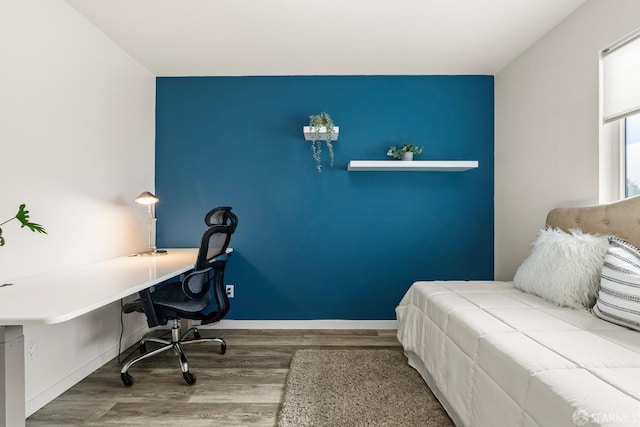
column 407, row 156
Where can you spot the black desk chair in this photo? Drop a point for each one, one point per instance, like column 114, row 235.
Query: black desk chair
column 188, row 299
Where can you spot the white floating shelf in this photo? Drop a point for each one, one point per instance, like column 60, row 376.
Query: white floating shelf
column 311, row 133
column 412, row 165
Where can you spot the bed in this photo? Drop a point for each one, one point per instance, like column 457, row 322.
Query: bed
column 496, row 356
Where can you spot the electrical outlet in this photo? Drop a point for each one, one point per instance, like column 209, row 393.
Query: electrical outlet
column 230, row 291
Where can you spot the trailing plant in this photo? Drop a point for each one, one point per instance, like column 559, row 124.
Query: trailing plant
column 23, row 217
column 317, row 121
column 396, row 152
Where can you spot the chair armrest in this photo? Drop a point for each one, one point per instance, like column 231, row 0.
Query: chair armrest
column 149, row 310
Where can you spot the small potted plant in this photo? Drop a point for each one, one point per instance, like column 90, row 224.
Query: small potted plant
column 321, row 129
column 405, row 152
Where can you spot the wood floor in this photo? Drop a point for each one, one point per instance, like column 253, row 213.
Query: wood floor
column 244, row 387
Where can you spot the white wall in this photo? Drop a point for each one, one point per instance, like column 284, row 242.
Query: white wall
column 546, row 123
column 76, row 145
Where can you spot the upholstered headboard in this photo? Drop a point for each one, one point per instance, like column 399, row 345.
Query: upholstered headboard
column 621, row 219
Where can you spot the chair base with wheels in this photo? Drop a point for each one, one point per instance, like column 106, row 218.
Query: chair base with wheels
column 176, row 343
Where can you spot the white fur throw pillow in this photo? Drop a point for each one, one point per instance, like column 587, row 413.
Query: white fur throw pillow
column 564, row 268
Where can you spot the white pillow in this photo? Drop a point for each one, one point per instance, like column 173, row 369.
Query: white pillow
column 619, row 296
column 564, row 268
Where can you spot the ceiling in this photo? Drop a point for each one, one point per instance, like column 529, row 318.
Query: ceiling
column 328, row 37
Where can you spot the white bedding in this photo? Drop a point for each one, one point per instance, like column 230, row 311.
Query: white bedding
column 496, row 356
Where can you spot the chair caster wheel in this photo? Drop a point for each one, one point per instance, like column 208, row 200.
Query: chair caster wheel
column 127, row 379
column 223, row 348
column 189, row 378
column 143, row 348
column 196, row 335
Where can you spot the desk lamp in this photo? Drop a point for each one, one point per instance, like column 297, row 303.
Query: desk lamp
column 150, row 200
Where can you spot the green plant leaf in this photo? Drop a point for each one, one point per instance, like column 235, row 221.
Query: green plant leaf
column 23, row 217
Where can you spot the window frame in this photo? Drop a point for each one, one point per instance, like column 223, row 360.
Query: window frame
column 619, row 131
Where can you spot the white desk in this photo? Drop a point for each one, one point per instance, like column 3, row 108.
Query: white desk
column 63, row 295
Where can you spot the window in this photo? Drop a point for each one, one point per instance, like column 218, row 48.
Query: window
column 620, row 108
column 631, row 153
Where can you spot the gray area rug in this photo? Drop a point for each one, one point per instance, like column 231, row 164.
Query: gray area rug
column 357, row 388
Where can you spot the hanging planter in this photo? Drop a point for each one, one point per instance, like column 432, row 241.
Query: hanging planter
column 321, row 129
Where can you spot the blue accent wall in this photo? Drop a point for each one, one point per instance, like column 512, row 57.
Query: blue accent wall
column 336, row 244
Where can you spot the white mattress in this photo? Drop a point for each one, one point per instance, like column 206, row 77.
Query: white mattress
column 500, row 357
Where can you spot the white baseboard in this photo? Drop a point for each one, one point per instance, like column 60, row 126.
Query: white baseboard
column 303, row 324
column 37, row 402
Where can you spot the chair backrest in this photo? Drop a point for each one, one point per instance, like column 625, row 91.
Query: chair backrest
column 221, row 215
column 211, row 255
column 214, row 243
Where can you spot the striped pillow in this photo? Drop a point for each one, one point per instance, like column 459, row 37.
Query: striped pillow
column 619, row 297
